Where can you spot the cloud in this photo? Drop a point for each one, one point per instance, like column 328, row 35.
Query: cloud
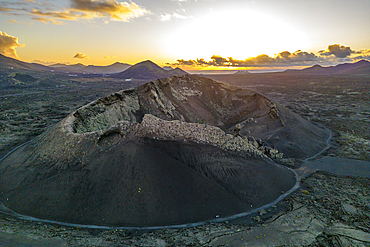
column 65, row 15
column 333, row 55
column 298, row 56
column 110, row 56
column 47, row 20
column 15, row 21
column 44, row 62
column 2, row 9
column 338, row 51
column 363, row 54
column 81, row 56
column 8, row 44
column 167, row 16
column 282, row 59
column 79, row 10
column 122, row 11
column 186, row 62
column 220, row 61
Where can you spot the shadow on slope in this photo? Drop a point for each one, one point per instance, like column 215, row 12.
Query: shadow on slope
column 137, row 183
column 172, row 151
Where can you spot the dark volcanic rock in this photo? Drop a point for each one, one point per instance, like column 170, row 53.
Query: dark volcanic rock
column 172, row 151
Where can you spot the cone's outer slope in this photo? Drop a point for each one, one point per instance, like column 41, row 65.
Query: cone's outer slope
column 138, row 183
column 160, row 154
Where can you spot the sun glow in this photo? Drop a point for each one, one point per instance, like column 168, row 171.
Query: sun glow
column 237, row 34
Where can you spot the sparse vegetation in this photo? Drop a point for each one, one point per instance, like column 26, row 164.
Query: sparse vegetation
column 339, row 102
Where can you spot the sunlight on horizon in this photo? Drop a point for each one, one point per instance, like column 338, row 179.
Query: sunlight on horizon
column 237, row 34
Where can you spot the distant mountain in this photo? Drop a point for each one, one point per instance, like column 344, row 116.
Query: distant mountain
column 91, row 69
column 167, row 68
column 360, row 67
column 241, row 72
column 148, row 70
column 143, row 70
column 11, row 63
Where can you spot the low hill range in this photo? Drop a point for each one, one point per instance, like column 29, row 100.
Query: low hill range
column 148, row 70
column 360, row 67
column 16, row 65
column 242, row 72
column 12, row 63
column 91, row 69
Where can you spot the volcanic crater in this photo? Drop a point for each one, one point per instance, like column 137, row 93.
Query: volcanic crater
column 173, row 151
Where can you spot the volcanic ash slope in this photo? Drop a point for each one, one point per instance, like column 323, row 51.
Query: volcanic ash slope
column 172, row 151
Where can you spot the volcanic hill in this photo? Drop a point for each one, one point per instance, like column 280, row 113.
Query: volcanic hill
column 360, row 67
column 149, row 71
column 172, row 151
column 8, row 62
column 15, row 65
column 91, row 69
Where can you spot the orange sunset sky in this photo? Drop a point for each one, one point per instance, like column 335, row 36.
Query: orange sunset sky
column 192, row 34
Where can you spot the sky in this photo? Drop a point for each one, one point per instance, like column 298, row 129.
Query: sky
column 192, row 34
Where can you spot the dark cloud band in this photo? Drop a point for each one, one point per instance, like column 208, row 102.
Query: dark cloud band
column 333, row 53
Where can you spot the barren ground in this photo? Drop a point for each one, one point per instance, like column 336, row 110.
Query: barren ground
column 326, row 211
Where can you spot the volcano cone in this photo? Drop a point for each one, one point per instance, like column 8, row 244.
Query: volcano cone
column 172, row 151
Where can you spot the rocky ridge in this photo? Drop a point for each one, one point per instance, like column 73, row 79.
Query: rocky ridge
column 196, row 100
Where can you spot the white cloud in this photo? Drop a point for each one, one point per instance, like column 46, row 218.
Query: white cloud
column 8, row 44
column 122, row 11
column 167, row 16
column 15, row 21
column 78, row 10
